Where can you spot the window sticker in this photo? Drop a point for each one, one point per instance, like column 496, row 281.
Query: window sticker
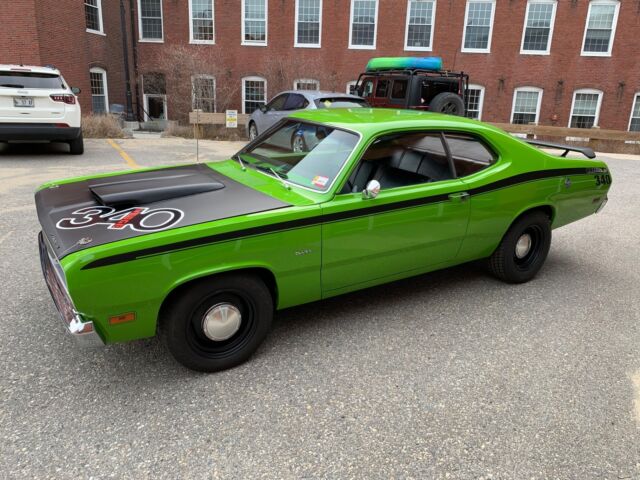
column 320, row 181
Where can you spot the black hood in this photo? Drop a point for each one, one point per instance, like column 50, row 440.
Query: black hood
column 103, row 210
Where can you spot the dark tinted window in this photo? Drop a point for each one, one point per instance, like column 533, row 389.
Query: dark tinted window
column 295, row 102
column 30, row 80
column 469, row 154
column 399, row 89
column 401, row 160
column 277, row 103
column 382, row 89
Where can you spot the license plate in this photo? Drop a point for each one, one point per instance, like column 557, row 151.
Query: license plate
column 22, row 101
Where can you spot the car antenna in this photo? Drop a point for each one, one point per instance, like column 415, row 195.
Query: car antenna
column 285, row 184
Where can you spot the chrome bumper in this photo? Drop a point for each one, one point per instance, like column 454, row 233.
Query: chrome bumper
column 83, row 331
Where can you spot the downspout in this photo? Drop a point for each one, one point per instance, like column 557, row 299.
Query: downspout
column 125, row 55
column 134, row 48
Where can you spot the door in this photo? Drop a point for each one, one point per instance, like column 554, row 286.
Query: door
column 417, row 221
column 155, row 107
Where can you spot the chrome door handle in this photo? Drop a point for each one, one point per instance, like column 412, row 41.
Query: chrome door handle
column 460, row 196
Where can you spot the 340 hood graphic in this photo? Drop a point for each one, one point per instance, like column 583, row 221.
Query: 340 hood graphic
column 140, row 203
column 140, row 219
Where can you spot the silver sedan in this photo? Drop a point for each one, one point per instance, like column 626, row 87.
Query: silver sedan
column 290, row 101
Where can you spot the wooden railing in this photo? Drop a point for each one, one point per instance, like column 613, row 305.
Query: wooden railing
column 203, row 118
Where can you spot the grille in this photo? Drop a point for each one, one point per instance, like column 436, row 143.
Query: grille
column 56, row 288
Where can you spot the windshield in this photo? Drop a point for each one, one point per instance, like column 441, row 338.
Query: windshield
column 30, row 80
column 341, row 102
column 303, row 154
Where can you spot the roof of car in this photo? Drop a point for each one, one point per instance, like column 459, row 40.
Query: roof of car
column 313, row 94
column 28, row 68
column 377, row 119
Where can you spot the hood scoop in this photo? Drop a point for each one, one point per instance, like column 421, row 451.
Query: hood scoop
column 157, row 188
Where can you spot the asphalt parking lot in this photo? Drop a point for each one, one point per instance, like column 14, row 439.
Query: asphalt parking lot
column 447, row 375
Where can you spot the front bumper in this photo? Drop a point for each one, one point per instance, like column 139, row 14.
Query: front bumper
column 37, row 131
column 82, row 331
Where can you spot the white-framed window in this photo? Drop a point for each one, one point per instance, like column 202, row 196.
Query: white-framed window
column 150, row 20
column 475, row 100
column 418, row 33
column 478, row 26
column 99, row 91
column 351, row 87
column 93, row 16
column 306, row 84
column 203, row 95
column 526, row 105
column 201, row 24
column 539, row 21
column 600, row 29
column 254, row 22
column 585, row 108
column 634, row 121
column 254, row 94
column 363, row 24
column 308, row 28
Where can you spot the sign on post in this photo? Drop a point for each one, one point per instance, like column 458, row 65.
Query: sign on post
column 232, row 119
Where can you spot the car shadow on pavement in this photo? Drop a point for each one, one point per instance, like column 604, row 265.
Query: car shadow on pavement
column 33, row 149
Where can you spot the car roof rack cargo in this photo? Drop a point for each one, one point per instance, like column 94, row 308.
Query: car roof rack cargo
column 586, row 151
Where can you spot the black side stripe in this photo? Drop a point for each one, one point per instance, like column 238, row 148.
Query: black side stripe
column 320, row 219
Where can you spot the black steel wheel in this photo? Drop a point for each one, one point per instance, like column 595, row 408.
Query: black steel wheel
column 523, row 250
column 218, row 323
column 447, row 102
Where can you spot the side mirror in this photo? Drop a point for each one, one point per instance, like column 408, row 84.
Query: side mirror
column 263, row 108
column 75, row 90
column 371, row 190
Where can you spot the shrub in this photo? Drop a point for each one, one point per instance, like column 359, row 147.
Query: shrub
column 102, row 126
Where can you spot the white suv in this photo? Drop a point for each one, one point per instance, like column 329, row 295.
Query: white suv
column 36, row 104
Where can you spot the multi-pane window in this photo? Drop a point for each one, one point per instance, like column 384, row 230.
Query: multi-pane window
column 634, row 123
column 254, row 94
column 308, row 23
column 201, row 13
column 478, row 26
column 93, row 15
column 419, row 32
column 254, row 22
column 586, row 108
column 99, row 94
column 601, row 26
column 150, row 19
column 526, row 105
column 364, row 18
column 538, row 27
column 475, row 98
column 306, row 84
column 204, row 93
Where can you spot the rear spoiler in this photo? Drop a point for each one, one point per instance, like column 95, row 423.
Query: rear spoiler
column 586, row 151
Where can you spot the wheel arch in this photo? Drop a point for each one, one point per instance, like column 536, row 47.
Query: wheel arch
column 545, row 208
column 262, row 272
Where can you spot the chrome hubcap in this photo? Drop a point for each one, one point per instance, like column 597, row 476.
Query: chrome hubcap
column 523, row 245
column 252, row 132
column 221, row 322
column 298, row 145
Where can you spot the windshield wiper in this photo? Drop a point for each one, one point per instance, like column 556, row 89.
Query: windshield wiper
column 239, row 158
column 282, row 177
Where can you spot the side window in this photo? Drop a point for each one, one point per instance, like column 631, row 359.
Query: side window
column 400, row 160
column 382, row 90
column 399, row 90
column 295, row 102
column 469, row 154
column 277, row 103
column 366, row 89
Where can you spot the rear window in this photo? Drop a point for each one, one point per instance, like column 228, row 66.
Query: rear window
column 30, row 80
column 340, row 102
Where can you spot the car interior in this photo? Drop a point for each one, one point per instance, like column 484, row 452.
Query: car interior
column 408, row 159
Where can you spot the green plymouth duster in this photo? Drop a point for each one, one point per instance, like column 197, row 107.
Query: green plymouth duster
column 325, row 202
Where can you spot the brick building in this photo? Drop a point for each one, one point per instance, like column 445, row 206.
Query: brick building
column 564, row 62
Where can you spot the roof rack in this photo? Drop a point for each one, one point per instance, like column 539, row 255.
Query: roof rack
column 415, row 71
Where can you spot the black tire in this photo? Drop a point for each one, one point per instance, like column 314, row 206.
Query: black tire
column 253, row 131
column 182, row 324
column 76, row 146
column 507, row 264
column 447, row 102
column 298, row 143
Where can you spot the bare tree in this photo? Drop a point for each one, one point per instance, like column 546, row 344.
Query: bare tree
column 197, row 78
column 281, row 72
